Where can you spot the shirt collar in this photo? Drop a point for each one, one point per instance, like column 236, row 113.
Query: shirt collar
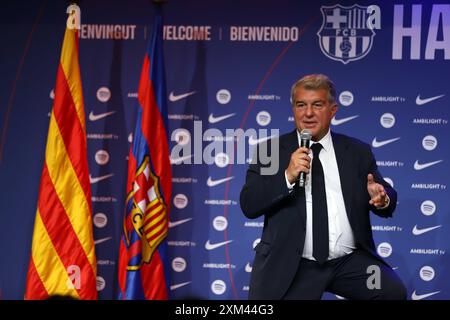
column 326, row 141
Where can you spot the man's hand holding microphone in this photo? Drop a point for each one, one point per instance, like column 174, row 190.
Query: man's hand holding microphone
column 300, row 162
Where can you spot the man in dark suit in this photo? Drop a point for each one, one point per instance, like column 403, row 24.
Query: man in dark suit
column 318, row 237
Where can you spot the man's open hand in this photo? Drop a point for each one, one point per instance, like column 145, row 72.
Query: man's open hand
column 378, row 196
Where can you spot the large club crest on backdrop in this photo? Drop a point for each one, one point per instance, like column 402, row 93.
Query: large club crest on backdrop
column 347, row 33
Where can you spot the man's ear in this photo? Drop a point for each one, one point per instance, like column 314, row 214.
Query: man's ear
column 334, row 109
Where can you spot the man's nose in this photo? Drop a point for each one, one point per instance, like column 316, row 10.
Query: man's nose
column 309, row 111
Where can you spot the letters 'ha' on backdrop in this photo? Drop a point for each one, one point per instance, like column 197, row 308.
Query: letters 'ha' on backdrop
column 230, row 65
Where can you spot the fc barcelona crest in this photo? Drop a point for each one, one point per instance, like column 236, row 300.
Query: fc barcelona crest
column 347, row 33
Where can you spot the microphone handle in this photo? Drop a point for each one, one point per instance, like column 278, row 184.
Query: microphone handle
column 302, row 176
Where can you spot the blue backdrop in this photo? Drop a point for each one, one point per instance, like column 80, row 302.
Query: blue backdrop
column 230, row 64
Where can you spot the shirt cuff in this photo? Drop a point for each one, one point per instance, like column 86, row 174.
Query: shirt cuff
column 289, row 185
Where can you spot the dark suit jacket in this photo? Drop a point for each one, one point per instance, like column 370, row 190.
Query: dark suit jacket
column 279, row 252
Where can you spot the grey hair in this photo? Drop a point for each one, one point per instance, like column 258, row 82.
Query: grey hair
column 315, row 82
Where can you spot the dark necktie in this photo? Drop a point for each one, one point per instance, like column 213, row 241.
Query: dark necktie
column 319, row 207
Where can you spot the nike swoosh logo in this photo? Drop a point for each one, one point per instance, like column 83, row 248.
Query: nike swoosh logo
column 336, row 122
column 416, row 231
column 95, row 117
column 174, row 98
column 102, row 240
column 177, row 223
column 213, row 183
column 176, row 286
column 248, row 267
column 421, row 102
column 180, row 159
column 213, row 119
column 421, row 166
column 416, row 296
column 212, row 246
column 252, row 141
column 98, row 179
column 377, row 144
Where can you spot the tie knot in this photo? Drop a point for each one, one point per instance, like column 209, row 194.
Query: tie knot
column 316, row 147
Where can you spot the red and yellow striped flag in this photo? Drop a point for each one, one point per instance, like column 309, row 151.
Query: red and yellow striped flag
column 62, row 258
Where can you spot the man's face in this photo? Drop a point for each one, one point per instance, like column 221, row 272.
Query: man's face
column 313, row 111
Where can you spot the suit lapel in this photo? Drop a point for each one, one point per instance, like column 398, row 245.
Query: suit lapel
column 290, row 144
column 344, row 163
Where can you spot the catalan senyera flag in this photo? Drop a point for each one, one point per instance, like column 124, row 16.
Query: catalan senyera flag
column 143, row 266
column 62, row 258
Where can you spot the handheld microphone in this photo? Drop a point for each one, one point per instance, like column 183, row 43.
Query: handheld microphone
column 305, row 138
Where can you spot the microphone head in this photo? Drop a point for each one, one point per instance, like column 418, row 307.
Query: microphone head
column 305, row 134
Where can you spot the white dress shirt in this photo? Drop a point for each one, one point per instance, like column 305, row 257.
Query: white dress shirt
column 340, row 233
